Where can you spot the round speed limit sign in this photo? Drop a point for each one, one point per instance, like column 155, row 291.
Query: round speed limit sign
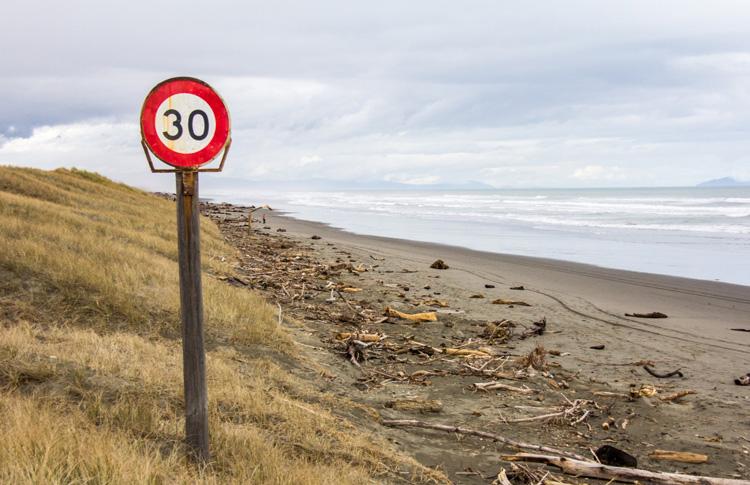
column 185, row 122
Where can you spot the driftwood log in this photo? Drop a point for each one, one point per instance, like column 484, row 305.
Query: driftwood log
column 413, row 423
column 589, row 469
column 659, row 375
column 680, row 456
column 414, row 317
column 489, row 386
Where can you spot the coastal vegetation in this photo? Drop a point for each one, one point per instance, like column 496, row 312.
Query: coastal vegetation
column 90, row 356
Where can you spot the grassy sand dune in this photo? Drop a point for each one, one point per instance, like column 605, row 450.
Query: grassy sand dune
column 90, row 357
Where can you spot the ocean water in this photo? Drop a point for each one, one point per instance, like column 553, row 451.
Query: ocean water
column 699, row 233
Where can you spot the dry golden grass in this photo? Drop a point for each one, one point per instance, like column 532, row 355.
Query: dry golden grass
column 90, row 357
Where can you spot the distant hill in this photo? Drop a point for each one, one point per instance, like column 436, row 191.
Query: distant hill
column 724, row 182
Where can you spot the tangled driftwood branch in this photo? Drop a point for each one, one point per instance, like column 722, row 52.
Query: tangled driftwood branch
column 589, row 469
column 574, row 413
column 413, row 423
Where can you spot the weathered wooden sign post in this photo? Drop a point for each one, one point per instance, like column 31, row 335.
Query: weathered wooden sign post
column 185, row 124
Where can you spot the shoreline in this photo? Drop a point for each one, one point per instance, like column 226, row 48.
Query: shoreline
column 689, row 236
column 692, row 303
column 533, row 260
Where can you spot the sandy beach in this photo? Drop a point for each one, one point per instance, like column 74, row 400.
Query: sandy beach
column 593, row 301
column 584, row 308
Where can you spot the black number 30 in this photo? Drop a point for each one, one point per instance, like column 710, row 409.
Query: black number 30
column 177, row 123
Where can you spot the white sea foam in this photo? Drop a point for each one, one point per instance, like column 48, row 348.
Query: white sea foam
column 727, row 215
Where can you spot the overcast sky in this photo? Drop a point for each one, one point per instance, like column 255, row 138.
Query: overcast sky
column 511, row 93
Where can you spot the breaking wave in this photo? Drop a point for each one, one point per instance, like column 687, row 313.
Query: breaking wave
column 728, row 215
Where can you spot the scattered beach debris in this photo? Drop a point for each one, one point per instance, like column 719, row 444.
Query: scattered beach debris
column 537, row 328
column 676, row 396
column 363, row 337
column 235, row 281
column 478, row 295
column 415, row 405
column 571, row 413
column 336, row 269
column 649, row 390
column 355, row 350
column 658, row 375
column 501, row 301
column 466, row 352
column 679, row 456
column 502, row 478
column 520, row 473
column 591, row 469
column 435, row 302
column 494, row 385
column 439, row 264
column 281, row 229
column 487, row 285
column 414, row 317
column 645, row 390
column 316, row 237
column 413, row 423
column 743, row 380
column 536, row 359
column 597, row 347
column 520, row 288
column 609, row 455
column 500, row 331
column 647, row 315
column 740, row 329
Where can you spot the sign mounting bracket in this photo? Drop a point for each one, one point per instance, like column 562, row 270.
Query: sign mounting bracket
column 178, row 170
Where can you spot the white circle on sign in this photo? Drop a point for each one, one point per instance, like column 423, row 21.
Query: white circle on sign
column 185, row 123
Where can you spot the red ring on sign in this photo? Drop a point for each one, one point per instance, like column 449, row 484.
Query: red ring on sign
column 189, row 85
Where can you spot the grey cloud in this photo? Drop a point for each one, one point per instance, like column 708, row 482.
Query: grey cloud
column 395, row 89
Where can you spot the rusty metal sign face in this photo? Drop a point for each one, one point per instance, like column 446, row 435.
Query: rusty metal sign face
column 184, row 122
